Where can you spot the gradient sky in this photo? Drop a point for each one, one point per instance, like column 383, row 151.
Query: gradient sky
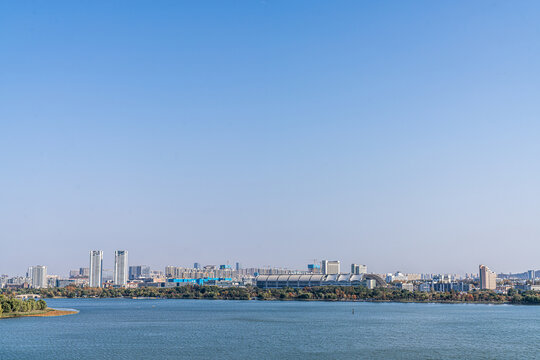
column 401, row 135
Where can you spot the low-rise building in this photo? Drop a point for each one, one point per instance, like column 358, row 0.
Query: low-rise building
column 528, row 287
column 405, row 286
column 65, row 282
column 425, row 287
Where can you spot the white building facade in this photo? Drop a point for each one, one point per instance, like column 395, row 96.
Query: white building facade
column 39, row 277
column 358, row 269
column 96, row 268
column 330, row 267
column 120, row 267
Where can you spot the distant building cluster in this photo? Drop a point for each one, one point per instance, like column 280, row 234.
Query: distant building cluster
column 323, row 273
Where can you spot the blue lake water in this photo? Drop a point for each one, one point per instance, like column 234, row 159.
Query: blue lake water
column 205, row 329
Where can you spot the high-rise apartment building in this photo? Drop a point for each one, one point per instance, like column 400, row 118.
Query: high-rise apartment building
column 39, row 276
column 85, row 272
column 330, row 267
column 96, row 268
column 357, row 269
column 139, row 271
column 488, row 279
column 80, row 273
column 120, row 267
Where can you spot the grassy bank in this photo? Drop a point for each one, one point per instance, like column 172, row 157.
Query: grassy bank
column 38, row 313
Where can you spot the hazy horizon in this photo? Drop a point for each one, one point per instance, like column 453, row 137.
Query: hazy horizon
column 400, row 135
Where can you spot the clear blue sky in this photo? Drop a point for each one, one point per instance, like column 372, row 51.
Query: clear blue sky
column 401, row 135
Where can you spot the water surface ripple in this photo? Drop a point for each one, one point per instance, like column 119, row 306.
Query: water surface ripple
column 206, row 329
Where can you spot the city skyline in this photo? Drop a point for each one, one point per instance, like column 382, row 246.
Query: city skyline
column 270, row 133
column 325, row 273
column 122, row 269
column 139, row 259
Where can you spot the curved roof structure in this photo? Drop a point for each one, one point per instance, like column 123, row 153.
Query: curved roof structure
column 319, row 279
column 379, row 280
column 332, row 277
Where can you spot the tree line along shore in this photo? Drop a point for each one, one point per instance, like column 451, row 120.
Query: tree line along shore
column 323, row 293
column 13, row 307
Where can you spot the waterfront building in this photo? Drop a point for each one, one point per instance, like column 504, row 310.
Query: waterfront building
column 442, row 286
column 170, row 271
column 330, row 267
column 488, row 279
column 96, row 268
column 81, row 275
column 448, row 286
column 398, row 276
column 526, row 287
column 462, row 286
column 309, row 280
column 51, row 280
column 442, row 278
column 414, row 277
column 274, row 271
column 405, row 286
column 369, row 283
column 39, row 276
column 138, row 272
column 65, row 282
column 84, row 272
column 120, row 267
column 426, row 287
column 426, row 277
column 358, row 269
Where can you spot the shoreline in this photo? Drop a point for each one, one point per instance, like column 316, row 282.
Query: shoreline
column 45, row 313
column 306, row 300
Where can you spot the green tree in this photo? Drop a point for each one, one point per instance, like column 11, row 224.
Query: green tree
column 41, row 304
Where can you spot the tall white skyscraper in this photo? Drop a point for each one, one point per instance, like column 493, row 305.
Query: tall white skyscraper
column 96, row 268
column 120, row 267
column 39, row 276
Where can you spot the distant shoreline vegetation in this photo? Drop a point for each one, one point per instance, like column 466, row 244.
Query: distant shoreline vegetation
column 323, row 293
